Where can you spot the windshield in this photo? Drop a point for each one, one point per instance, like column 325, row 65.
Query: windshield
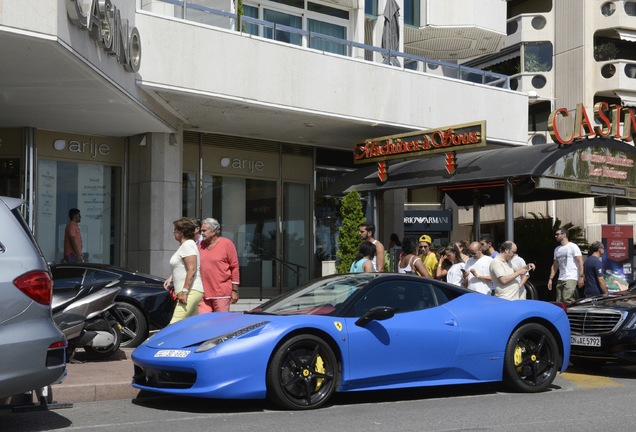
column 319, row 297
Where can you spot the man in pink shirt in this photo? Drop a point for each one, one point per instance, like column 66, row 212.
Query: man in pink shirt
column 219, row 269
column 73, row 238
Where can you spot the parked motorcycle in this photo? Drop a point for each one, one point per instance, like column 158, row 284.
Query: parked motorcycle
column 89, row 319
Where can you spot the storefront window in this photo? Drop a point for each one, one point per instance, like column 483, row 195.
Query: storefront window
column 10, row 162
column 297, row 214
column 10, row 177
column 95, row 191
column 246, row 210
column 189, row 195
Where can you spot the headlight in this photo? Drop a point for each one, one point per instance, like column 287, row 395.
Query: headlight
column 211, row 343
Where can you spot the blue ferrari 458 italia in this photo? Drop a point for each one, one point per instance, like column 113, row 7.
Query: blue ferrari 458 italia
column 352, row 332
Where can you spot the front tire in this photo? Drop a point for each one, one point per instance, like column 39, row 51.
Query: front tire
column 303, row 373
column 531, row 359
column 135, row 328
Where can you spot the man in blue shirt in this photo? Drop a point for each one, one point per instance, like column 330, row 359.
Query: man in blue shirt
column 593, row 271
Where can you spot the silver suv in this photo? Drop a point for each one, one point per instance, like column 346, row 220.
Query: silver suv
column 31, row 346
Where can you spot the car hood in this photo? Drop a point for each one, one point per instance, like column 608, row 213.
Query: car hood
column 619, row 300
column 195, row 330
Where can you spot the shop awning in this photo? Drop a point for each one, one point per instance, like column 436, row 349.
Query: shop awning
column 537, row 173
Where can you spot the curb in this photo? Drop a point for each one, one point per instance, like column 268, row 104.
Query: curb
column 97, row 380
column 93, row 392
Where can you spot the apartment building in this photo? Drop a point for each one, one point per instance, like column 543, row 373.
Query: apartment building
column 140, row 112
column 564, row 53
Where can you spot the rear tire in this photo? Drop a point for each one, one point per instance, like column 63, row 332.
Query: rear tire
column 531, row 359
column 135, row 329
column 104, row 353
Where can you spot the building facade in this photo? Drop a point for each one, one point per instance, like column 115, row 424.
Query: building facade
column 138, row 113
column 565, row 53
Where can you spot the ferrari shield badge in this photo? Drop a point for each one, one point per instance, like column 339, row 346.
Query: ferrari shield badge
column 338, row 325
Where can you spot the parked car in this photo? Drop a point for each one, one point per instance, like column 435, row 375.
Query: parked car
column 352, row 332
column 604, row 329
column 31, row 346
column 143, row 302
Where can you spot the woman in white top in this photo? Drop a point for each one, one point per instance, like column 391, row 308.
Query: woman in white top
column 410, row 262
column 454, row 274
column 185, row 277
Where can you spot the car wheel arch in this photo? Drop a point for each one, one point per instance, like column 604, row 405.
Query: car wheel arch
column 134, row 302
column 309, row 331
column 548, row 325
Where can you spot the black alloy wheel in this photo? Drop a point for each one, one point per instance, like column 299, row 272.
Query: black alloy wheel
column 531, row 359
column 303, row 373
column 135, row 328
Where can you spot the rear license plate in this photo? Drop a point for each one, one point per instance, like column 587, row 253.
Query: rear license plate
column 594, row 341
column 172, row 353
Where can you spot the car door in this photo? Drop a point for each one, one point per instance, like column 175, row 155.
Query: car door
column 418, row 342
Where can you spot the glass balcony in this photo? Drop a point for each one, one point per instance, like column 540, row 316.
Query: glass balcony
column 291, row 33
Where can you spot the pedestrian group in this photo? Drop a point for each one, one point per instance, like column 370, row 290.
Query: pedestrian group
column 480, row 267
column 205, row 269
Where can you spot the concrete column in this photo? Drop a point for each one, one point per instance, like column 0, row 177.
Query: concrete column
column 393, row 215
column 154, row 201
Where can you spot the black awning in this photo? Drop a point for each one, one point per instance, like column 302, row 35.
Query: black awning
column 486, row 171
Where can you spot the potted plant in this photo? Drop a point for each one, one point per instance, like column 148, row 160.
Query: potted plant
column 605, row 51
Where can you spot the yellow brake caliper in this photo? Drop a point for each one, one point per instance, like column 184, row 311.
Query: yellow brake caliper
column 518, row 356
column 320, row 368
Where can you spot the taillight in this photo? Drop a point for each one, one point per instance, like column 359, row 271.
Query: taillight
column 37, row 285
column 58, row 344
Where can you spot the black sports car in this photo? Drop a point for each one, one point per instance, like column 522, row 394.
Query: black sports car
column 603, row 328
column 143, row 301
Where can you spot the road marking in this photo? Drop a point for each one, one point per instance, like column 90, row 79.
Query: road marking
column 590, row 381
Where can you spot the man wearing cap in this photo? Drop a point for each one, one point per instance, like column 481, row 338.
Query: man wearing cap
column 428, row 256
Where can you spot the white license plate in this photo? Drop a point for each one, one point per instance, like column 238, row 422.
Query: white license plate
column 586, row 341
column 172, row 353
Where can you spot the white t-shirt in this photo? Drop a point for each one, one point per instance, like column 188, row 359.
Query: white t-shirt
column 187, row 248
column 482, row 267
column 518, row 262
column 454, row 275
column 566, row 257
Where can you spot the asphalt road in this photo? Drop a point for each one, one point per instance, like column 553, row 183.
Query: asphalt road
column 578, row 401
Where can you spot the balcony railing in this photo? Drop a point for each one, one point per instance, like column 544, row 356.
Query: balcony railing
column 195, row 12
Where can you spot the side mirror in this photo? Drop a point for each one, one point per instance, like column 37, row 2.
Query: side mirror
column 378, row 313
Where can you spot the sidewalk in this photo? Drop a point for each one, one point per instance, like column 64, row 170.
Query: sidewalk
column 97, row 380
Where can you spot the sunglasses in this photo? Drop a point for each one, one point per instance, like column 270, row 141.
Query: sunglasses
column 423, row 247
column 471, row 253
